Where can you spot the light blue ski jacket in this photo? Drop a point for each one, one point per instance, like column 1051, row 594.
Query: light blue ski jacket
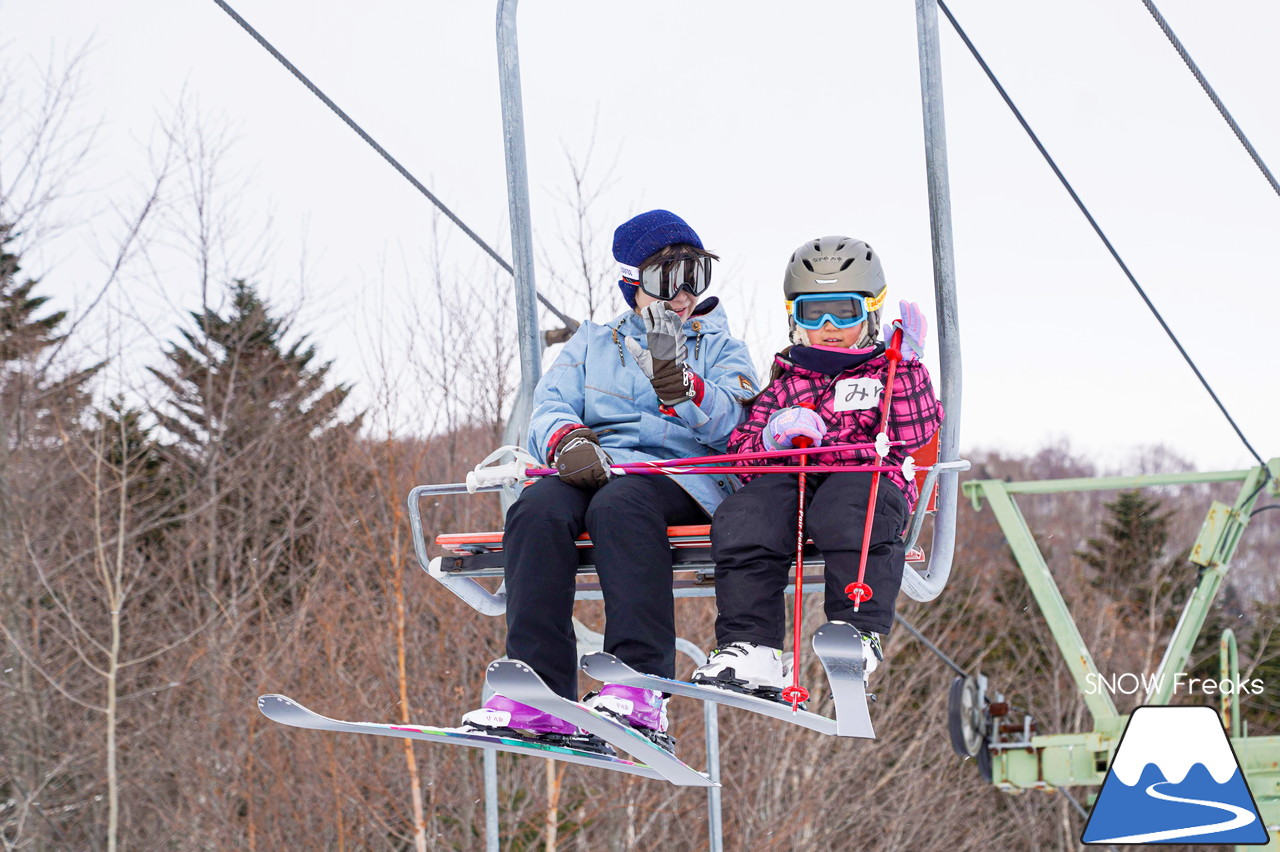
column 596, row 382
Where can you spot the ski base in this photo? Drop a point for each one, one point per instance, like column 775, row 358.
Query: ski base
column 609, row 669
column 839, row 647
column 286, row 711
column 518, row 682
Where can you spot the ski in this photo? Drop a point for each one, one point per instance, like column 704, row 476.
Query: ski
column 609, row 669
column 286, row 711
column 518, row 682
column 839, row 647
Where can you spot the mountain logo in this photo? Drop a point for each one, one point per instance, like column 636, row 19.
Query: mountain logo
column 1175, row 779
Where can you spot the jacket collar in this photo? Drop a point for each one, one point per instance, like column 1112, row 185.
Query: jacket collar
column 807, row 360
column 708, row 314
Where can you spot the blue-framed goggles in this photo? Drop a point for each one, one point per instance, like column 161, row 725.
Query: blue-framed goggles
column 843, row 310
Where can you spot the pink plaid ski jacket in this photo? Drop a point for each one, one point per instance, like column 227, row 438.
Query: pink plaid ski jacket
column 850, row 404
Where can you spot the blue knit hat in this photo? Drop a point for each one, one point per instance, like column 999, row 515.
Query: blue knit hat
column 641, row 236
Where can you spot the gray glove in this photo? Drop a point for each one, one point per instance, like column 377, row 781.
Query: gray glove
column 664, row 362
column 581, row 461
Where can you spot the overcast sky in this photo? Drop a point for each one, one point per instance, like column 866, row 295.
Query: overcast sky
column 762, row 129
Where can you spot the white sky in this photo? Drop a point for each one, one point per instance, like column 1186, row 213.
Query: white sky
column 762, row 129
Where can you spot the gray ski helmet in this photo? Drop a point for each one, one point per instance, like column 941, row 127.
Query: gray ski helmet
column 837, row 265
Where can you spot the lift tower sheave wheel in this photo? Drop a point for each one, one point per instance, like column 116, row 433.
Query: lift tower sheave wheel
column 968, row 722
column 965, row 720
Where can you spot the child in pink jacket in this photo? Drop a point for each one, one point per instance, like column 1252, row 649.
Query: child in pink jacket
column 826, row 388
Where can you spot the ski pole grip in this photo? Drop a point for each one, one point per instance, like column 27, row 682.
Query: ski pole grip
column 803, row 443
column 894, row 350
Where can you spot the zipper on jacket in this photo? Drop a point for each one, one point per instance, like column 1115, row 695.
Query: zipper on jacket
column 618, row 343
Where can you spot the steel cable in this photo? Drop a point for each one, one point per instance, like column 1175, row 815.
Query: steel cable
column 405, row 173
column 911, row 628
column 1213, row 96
column 1098, row 230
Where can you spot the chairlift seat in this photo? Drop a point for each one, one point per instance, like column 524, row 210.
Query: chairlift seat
column 480, row 554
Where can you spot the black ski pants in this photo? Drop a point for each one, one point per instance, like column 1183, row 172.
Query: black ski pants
column 627, row 520
column 753, row 542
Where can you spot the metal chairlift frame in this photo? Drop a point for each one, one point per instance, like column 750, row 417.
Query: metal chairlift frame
column 1016, row 757
column 921, row 584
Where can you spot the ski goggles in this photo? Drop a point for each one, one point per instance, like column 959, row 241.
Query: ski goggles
column 843, row 310
column 664, row 280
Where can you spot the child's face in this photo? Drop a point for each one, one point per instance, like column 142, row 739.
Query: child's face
column 683, row 303
column 829, row 335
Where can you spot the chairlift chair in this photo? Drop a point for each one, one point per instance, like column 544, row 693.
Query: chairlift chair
column 474, row 556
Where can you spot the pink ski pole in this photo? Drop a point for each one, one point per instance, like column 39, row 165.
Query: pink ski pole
column 762, row 454
column 639, row 468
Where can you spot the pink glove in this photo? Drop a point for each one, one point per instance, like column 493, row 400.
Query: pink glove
column 787, row 424
column 914, row 330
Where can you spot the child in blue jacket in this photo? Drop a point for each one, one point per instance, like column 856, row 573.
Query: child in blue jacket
column 665, row 379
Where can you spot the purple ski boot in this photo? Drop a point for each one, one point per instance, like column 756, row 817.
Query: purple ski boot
column 645, row 710
column 504, row 717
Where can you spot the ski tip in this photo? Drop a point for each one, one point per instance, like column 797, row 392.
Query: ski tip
column 273, row 704
column 268, row 703
column 498, row 665
column 598, row 661
column 265, row 701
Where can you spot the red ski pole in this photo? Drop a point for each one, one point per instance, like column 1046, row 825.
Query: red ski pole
column 795, row 693
column 859, row 591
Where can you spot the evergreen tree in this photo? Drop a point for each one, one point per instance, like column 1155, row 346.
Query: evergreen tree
column 234, row 384
column 32, row 393
column 21, row 334
column 1138, row 586
column 1130, row 559
column 254, row 426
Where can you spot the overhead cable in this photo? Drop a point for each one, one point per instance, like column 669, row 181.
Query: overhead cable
column 1213, row 96
column 911, row 628
column 1097, row 229
column 315, row 90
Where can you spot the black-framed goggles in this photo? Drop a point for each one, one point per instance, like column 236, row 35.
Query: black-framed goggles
column 664, row 280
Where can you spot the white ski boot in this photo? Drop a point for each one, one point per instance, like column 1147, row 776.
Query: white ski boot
column 744, row 667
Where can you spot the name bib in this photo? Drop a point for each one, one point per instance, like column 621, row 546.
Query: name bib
column 858, row 394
